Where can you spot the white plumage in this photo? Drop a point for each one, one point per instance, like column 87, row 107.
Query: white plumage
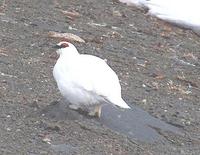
column 86, row 80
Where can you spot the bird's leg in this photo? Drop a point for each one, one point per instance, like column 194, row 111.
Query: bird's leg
column 96, row 111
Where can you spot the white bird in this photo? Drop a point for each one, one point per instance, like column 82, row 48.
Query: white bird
column 86, row 80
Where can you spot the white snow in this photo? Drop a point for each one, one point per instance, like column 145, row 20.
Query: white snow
column 185, row 13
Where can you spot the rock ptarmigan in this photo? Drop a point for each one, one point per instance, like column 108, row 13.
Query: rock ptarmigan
column 86, row 80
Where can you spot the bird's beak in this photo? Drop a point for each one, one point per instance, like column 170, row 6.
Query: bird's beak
column 56, row 46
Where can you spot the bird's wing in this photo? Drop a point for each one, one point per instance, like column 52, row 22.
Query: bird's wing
column 93, row 74
column 92, row 77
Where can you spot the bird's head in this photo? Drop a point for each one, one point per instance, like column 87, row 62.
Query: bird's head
column 65, row 48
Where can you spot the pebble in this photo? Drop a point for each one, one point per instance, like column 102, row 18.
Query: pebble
column 144, row 86
column 144, row 101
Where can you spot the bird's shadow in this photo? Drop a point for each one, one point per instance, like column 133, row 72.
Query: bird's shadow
column 61, row 111
column 134, row 123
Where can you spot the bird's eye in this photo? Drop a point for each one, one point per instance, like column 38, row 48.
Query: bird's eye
column 64, row 45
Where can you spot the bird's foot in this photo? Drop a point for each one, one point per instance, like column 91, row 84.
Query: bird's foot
column 96, row 112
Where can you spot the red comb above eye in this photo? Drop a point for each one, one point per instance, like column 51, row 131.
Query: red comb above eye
column 63, row 45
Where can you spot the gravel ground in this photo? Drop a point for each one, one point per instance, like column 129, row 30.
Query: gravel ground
column 157, row 63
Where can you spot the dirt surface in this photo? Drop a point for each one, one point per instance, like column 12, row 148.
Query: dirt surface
column 157, row 63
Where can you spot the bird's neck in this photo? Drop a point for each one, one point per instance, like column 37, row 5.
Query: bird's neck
column 69, row 57
column 70, row 54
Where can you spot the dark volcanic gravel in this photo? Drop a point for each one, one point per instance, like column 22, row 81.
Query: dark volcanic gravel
column 157, row 63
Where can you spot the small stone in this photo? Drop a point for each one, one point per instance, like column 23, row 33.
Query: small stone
column 182, row 151
column 144, row 86
column 43, row 152
column 18, row 130
column 144, row 101
column 188, row 123
column 117, row 13
column 47, row 140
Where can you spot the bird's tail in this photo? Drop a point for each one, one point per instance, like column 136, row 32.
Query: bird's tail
column 121, row 103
